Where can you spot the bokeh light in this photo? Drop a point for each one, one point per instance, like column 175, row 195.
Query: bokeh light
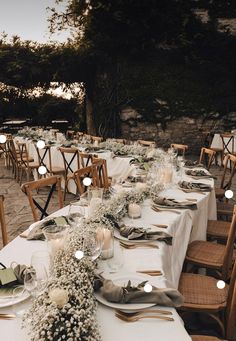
column 147, row 287
column 229, row 194
column 87, row 181
column 42, row 170
column 3, row 138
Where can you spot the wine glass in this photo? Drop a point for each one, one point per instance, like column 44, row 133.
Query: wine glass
column 76, row 211
column 92, row 246
column 30, row 281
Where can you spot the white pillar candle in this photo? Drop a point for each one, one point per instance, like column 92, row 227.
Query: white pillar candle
column 95, row 143
column 168, row 174
column 105, row 236
column 141, row 185
column 134, row 210
column 56, row 245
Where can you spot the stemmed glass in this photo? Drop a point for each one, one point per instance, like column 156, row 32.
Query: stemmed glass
column 92, row 246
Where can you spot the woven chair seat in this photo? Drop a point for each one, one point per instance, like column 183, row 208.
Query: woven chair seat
column 225, row 208
column 206, row 253
column 202, row 290
column 204, row 338
column 218, row 228
column 220, row 192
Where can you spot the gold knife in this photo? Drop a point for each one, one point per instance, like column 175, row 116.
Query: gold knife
column 7, row 316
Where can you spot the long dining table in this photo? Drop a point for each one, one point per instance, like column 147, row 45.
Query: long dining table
column 187, row 226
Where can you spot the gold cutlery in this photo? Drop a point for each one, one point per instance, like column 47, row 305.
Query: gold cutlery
column 7, row 316
column 135, row 313
column 160, row 225
column 157, row 209
column 150, row 272
column 140, row 317
column 128, row 245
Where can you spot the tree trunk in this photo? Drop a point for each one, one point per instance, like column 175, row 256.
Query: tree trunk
column 89, row 116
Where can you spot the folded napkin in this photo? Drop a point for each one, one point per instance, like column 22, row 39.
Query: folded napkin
column 195, row 186
column 37, row 232
column 199, row 173
column 11, row 278
column 173, row 203
column 136, row 294
column 131, row 232
column 190, row 163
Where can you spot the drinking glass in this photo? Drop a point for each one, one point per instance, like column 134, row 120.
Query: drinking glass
column 76, row 211
column 117, row 261
column 92, row 246
column 30, row 281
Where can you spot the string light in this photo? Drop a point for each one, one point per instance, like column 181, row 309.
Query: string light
column 220, row 284
column 3, row 138
column 42, row 170
column 79, row 254
column 87, row 181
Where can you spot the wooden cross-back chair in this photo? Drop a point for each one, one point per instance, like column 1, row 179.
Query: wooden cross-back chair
column 55, row 184
column 86, row 159
column 207, row 157
column 87, row 137
column 102, row 175
column 3, row 222
column 210, row 255
column 228, row 143
column 180, row 148
column 226, row 183
column 6, row 153
column 69, row 156
column 45, row 159
column 14, row 157
column 85, row 172
column 25, row 163
column 201, row 295
column 146, row 143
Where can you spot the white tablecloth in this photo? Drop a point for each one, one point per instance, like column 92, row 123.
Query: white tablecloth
column 118, row 167
column 217, row 142
column 189, row 225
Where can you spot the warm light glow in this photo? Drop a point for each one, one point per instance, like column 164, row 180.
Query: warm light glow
column 3, row 138
column 229, row 194
column 147, row 287
column 40, row 144
column 87, row 181
column 220, row 284
column 79, row 254
column 42, row 170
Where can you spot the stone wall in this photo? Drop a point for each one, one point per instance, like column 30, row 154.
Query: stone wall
column 186, row 130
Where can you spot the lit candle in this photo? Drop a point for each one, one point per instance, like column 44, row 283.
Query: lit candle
column 56, row 245
column 134, row 210
column 95, row 143
column 168, row 174
column 105, row 236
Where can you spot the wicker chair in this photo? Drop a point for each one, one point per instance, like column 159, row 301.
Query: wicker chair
column 3, row 222
column 27, row 188
column 209, row 154
column 201, row 295
column 210, row 255
column 181, row 148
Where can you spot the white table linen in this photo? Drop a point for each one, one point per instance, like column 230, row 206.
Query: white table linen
column 187, row 226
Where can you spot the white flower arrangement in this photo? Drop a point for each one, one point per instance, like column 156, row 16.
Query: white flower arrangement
column 67, row 308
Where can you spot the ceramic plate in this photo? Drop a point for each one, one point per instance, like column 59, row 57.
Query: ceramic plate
column 123, row 280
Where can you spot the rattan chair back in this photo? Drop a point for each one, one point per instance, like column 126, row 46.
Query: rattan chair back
column 54, row 182
column 3, row 222
column 229, row 246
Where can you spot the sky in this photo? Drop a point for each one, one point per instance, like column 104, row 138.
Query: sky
column 28, row 20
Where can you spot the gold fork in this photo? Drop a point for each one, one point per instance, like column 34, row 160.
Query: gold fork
column 150, row 272
column 7, row 316
column 136, row 245
column 140, row 317
column 136, row 313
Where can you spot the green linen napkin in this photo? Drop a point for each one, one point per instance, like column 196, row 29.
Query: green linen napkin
column 132, row 233
column 199, row 173
column 195, row 186
column 37, row 232
column 190, row 164
column 10, row 278
column 174, row 203
column 136, row 294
